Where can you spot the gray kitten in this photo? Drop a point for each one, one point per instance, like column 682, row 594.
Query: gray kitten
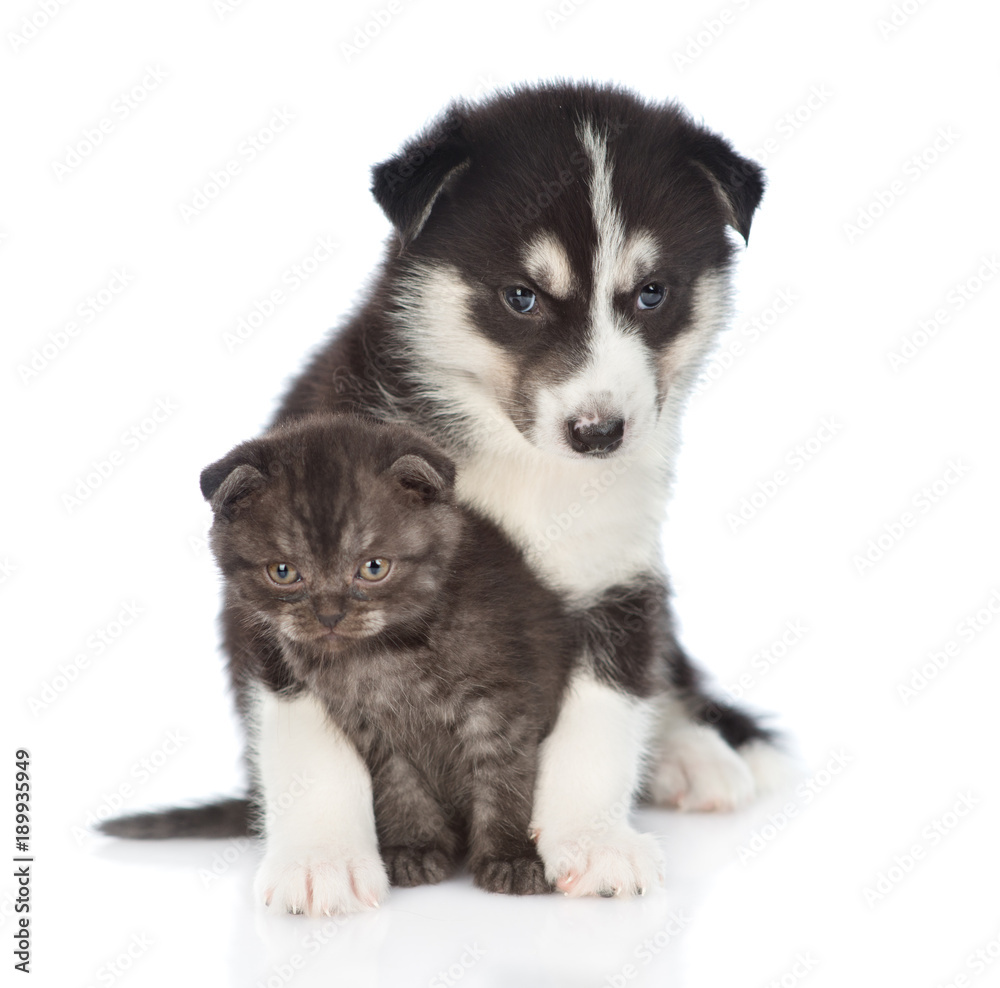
column 353, row 574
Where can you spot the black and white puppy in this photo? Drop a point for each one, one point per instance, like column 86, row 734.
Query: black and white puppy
column 560, row 268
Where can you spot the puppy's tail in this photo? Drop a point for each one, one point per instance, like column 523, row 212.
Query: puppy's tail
column 223, row 818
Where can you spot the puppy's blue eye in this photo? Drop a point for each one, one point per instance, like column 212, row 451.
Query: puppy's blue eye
column 650, row 296
column 521, row 300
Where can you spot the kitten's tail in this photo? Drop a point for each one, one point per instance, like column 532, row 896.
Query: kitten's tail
column 224, row 818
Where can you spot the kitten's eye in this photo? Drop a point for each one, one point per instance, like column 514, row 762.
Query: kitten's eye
column 374, row 570
column 283, row 574
column 650, row 296
column 520, row 299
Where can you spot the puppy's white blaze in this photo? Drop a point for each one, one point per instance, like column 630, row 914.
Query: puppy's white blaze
column 607, row 223
column 618, row 379
column 620, row 261
column 546, row 261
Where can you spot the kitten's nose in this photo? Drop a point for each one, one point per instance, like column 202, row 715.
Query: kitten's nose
column 331, row 620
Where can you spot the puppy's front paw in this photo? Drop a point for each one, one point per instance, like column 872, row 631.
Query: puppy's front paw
column 698, row 771
column 618, row 862
column 320, row 881
column 411, row 865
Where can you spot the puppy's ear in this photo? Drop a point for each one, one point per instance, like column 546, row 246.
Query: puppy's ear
column 407, row 185
column 232, row 479
column 429, row 477
column 738, row 182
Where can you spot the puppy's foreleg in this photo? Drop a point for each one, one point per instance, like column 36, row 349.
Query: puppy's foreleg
column 591, row 767
column 321, row 852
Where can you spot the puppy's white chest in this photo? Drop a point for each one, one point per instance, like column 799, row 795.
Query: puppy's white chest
column 583, row 526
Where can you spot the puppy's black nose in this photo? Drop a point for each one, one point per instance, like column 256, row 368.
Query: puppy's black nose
column 331, row 620
column 602, row 436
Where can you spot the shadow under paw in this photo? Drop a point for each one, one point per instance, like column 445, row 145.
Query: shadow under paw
column 418, row 865
column 523, row 875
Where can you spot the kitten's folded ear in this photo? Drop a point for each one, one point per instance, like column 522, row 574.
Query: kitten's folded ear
column 431, row 477
column 237, row 475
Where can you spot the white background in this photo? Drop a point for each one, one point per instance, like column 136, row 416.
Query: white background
column 838, row 108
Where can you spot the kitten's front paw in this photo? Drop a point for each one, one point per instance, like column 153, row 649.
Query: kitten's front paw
column 618, row 862
column 512, row 876
column 698, row 771
column 416, row 865
column 320, row 881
